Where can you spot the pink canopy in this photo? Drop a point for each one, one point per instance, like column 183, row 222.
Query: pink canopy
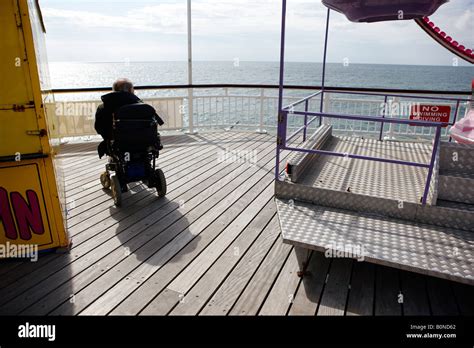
column 463, row 130
column 384, row 10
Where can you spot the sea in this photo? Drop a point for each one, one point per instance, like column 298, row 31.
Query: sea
column 408, row 77
column 444, row 78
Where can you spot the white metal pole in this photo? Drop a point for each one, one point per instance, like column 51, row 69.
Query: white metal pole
column 190, row 72
column 262, row 97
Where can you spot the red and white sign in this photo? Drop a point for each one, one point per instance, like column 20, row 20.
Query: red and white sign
column 431, row 113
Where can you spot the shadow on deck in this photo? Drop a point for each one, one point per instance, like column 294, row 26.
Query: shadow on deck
column 211, row 246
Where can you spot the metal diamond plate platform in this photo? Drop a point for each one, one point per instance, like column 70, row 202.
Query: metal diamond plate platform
column 298, row 162
column 376, row 179
column 457, row 187
column 437, row 251
column 457, row 157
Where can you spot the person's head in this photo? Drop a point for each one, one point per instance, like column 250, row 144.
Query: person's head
column 123, row 85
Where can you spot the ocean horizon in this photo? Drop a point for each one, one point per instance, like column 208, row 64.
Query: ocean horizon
column 101, row 74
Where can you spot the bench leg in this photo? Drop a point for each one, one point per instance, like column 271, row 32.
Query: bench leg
column 303, row 255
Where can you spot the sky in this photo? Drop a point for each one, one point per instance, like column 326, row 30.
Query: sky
column 249, row 30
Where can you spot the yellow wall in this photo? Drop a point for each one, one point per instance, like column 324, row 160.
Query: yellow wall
column 31, row 185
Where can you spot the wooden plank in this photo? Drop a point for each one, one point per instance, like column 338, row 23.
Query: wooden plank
column 94, row 164
column 284, row 289
column 387, row 291
column 333, row 300
column 415, row 297
column 103, row 203
column 148, row 243
column 7, row 265
column 190, row 231
column 309, row 292
column 441, row 297
column 252, row 298
column 136, row 302
column 161, row 277
column 229, row 290
column 143, row 212
column 216, row 284
column 188, row 277
column 186, row 175
column 361, row 294
column 85, row 190
column 87, row 178
column 205, row 237
column 214, row 276
column 181, row 186
column 83, row 186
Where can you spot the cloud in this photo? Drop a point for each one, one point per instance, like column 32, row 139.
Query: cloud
column 249, row 29
column 217, row 17
column 465, row 23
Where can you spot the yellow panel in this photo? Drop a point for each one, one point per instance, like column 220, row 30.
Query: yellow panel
column 47, row 118
column 32, row 204
column 13, row 132
column 15, row 87
column 24, row 205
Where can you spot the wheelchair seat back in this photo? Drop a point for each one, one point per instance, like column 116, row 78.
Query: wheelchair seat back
column 135, row 128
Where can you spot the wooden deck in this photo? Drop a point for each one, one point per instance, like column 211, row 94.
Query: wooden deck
column 211, row 246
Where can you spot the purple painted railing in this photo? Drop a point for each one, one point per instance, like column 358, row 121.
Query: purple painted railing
column 283, row 112
column 282, row 138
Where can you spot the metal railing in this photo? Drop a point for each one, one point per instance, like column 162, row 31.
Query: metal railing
column 250, row 107
column 290, row 109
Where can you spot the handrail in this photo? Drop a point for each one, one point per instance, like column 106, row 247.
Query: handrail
column 400, row 95
column 350, row 155
column 266, row 86
column 282, row 140
column 289, row 106
column 300, row 128
column 368, row 118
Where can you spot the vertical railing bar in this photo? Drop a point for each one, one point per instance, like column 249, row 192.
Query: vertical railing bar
column 431, row 167
column 280, row 131
column 455, row 117
column 383, row 116
column 262, row 98
column 305, row 120
column 324, row 65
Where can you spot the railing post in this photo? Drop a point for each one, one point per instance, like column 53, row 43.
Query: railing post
column 455, row 117
column 226, row 96
column 280, row 91
column 261, row 128
column 389, row 135
column 305, row 119
column 326, row 105
column 190, row 112
column 190, row 71
column 432, row 162
column 324, row 66
column 327, row 100
column 383, row 116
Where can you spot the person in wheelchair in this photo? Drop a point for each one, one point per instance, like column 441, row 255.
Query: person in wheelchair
column 129, row 128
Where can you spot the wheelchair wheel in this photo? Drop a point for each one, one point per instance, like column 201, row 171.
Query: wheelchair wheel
column 116, row 190
column 160, row 182
column 105, row 180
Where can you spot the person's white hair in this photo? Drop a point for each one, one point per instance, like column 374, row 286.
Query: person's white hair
column 123, row 85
